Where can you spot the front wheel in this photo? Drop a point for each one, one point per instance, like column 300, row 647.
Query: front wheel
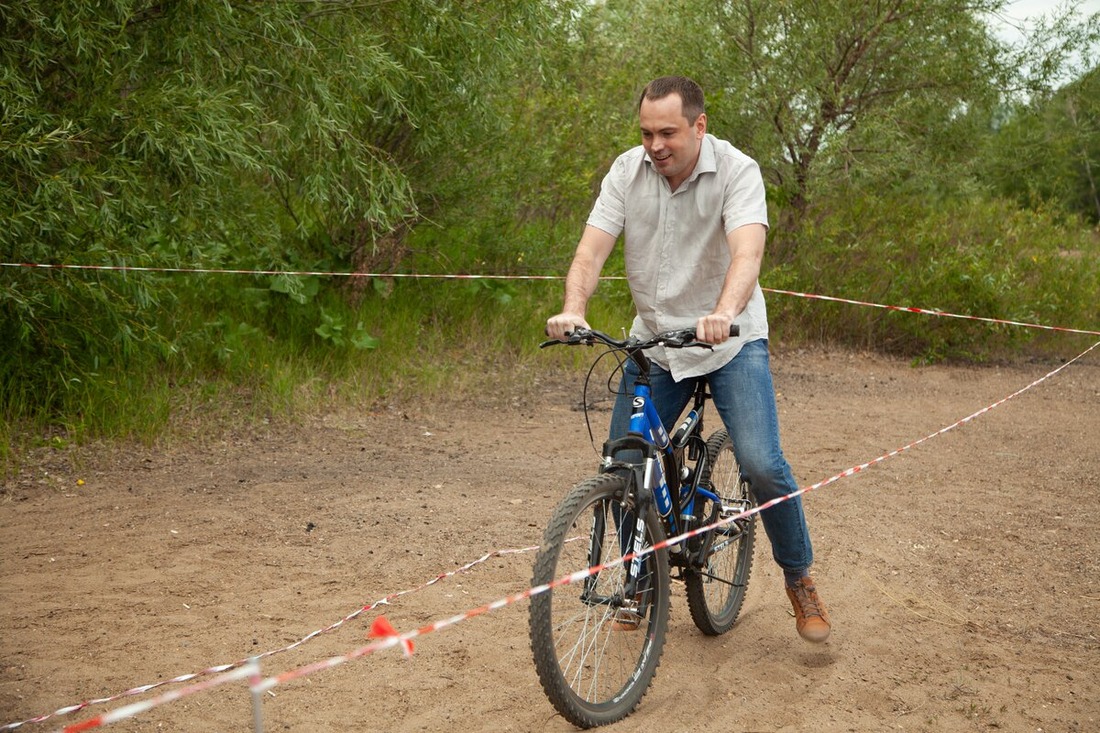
column 716, row 590
column 596, row 650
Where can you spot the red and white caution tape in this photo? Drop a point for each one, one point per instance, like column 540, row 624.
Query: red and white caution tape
column 424, row 276
column 289, row 273
column 927, row 312
column 250, row 669
column 142, row 689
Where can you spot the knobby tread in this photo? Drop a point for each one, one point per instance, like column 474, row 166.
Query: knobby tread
column 582, row 713
column 704, row 617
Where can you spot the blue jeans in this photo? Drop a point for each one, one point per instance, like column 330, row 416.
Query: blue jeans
column 745, row 400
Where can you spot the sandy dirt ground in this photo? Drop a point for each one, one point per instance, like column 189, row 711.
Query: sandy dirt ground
column 962, row 576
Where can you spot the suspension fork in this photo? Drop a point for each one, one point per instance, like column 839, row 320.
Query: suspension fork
column 636, row 571
column 631, row 538
column 630, row 512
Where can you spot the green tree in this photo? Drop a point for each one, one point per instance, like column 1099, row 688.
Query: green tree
column 826, row 90
column 290, row 132
column 836, row 93
column 1047, row 151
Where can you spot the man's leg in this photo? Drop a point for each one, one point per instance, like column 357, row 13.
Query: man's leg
column 745, row 398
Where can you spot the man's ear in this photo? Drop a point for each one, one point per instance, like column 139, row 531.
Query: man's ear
column 701, row 125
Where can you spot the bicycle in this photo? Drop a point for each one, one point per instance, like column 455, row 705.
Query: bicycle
column 597, row 642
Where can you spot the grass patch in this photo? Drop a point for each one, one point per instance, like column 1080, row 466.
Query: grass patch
column 230, row 351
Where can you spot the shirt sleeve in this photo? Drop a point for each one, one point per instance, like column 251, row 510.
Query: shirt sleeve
column 609, row 211
column 745, row 201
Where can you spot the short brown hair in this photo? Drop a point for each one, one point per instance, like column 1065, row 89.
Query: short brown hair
column 691, row 94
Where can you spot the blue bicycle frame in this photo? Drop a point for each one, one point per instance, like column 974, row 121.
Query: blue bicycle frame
column 674, row 494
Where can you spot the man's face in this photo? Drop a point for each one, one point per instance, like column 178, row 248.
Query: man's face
column 670, row 139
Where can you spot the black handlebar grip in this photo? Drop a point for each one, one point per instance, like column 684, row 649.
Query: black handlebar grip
column 735, row 330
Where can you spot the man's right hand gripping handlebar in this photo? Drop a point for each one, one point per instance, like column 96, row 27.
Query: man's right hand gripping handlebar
column 716, row 328
column 560, row 326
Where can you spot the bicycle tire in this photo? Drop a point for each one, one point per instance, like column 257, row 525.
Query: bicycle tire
column 592, row 672
column 716, row 592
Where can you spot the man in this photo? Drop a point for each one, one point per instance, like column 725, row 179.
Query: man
column 692, row 212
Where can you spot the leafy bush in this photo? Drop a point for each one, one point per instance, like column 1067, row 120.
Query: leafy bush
column 983, row 258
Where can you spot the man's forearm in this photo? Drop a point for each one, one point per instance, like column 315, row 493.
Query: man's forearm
column 739, row 285
column 584, row 273
column 746, row 255
column 580, row 284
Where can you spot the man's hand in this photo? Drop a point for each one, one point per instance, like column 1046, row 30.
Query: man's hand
column 560, row 326
column 713, row 329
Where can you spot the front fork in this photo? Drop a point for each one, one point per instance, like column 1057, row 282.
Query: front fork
column 635, row 577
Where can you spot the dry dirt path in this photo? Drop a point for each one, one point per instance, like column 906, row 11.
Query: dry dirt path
column 962, row 576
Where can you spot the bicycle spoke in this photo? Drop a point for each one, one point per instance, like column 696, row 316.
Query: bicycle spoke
column 596, row 670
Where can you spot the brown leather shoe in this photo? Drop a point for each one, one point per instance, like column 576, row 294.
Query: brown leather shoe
column 810, row 617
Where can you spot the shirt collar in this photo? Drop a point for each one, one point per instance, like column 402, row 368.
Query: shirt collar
column 706, row 162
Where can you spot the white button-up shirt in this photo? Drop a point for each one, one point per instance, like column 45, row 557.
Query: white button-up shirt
column 675, row 245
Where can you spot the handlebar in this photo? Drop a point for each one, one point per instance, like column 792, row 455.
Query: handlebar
column 678, row 339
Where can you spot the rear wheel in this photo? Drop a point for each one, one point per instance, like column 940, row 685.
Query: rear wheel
column 596, row 650
column 716, row 591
